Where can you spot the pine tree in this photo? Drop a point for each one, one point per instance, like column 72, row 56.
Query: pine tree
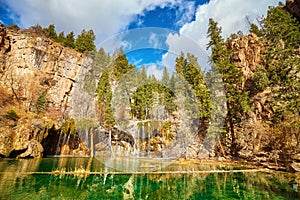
column 165, row 77
column 120, row 65
column 85, row 41
column 282, row 38
column 254, row 29
column 61, row 37
column 69, row 40
column 104, row 93
column 143, row 73
column 237, row 99
column 41, row 102
column 101, row 60
column 13, row 27
column 51, row 32
column 191, row 72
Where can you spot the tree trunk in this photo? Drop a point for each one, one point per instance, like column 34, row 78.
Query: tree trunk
column 233, row 142
column 92, row 142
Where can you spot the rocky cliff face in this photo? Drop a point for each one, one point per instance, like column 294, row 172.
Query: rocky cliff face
column 293, row 6
column 30, row 65
column 256, row 138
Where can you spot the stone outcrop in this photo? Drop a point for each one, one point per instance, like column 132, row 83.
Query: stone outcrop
column 293, row 6
column 247, row 55
column 29, row 65
column 257, row 140
column 23, row 138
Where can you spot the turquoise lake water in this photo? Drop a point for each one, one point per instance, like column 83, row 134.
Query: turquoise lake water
column 45, row 179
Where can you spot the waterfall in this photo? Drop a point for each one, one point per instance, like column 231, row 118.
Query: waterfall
column 57, row 152
column 63, row 144
column 148, row 138
column 110, row 144
column 92, row 142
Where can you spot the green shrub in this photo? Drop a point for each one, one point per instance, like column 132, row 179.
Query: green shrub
column 12, row 115
column 13, row 26
column 41, row 102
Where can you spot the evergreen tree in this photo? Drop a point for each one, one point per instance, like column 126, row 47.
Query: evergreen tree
column 101, row 60
column 281, row 25
column 143, row 73
column 61, row 37
column 51, row 32
column 191, row 71
column 104, row 93
column 69, row 40
column 13, row 26
column 120, row 65
column 41, row 102
column 145, row 96
column 260, row 79
column 172, row 82
column 237, row 99
column 282, row 38
column 165, row 77
column 254, row 29
column 85, row 41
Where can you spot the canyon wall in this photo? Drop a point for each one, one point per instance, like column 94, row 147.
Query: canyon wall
column 32, row 65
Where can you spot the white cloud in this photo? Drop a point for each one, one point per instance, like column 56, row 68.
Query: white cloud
column 154, row 69
column 230, row 14
column 180, row 43
column 186, row 12
column 154, row 40
column 105, row 17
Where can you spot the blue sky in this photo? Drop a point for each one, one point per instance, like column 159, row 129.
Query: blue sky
column 176, row 25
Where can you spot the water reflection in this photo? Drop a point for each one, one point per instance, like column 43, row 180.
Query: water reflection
column 17, row 182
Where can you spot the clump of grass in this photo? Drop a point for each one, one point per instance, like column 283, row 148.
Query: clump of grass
column 11, row 115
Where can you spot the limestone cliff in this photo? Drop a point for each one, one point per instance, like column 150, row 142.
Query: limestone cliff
column 31, row 64
column 257, row 139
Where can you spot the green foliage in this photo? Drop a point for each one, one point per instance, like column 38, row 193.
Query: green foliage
column 165, row 77
column 145, row 96
column 11, row 115
column 237, row 99
column 104, row 95
column 40, row 104
column 143, row 74
column 51, row 32
column 281, row 32
column 61, row 38
column 13, row 27
column 100, row 61
column 68, row 126
column 69, row 41
column 172, row 82
column 254, row 29
column 281, row 25
column 85, row 123
column 191, row 71
column 231, row 75
column 120, row 65
column 85, row 41
column 260, row 79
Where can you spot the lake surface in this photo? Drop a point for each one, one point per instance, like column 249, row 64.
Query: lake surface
column 84, row 178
